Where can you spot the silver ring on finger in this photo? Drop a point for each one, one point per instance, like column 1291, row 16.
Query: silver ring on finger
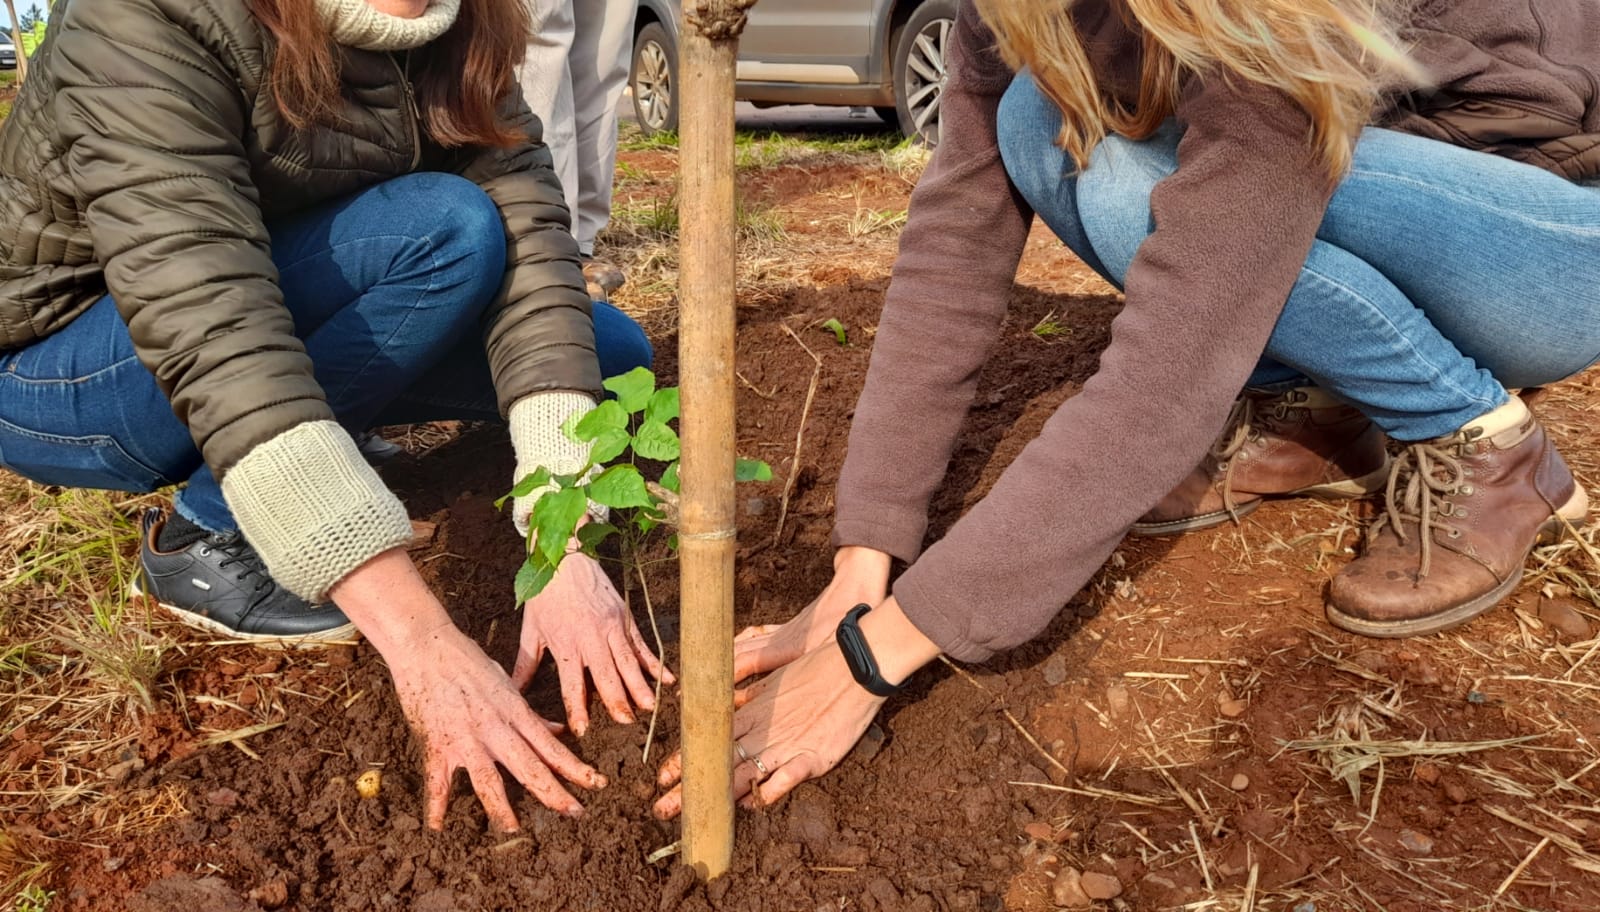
column 760, row 767
column 743, row 755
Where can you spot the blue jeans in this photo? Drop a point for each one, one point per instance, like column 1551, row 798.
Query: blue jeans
column 387, row 288
column 1439, row 277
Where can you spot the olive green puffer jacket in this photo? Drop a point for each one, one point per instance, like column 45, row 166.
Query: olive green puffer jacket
column 144, row 154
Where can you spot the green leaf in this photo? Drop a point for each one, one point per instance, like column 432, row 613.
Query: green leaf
column 672, row 541
column 530, row 483
column 751, row 470
column 590, row 535
column 570, row 426
column 619, row 487
column 655, row 440
column 632, row 389
column 645, row 522
column 609, row 445
column 608, row 415
column 834, row 326
column 535, row 574
column 664, row 405
column 554, row 517
column 669, row 478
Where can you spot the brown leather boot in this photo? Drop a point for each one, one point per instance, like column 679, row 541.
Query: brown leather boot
column 602, row 279
column 1302, row 442
column 1463, row 513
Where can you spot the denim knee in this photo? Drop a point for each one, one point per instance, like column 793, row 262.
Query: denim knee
column 620, row 342
column 465, row 231
column 1114, row 192
column 1027, row 124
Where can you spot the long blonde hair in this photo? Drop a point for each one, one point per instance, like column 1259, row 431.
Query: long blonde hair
column 1330, row 56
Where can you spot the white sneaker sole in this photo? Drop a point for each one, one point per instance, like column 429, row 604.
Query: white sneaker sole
column 334, row 636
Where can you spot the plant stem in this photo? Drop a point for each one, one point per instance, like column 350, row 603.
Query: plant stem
column 661, row 654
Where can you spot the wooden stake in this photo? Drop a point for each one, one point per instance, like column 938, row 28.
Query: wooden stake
column 16, row 38
column 706, row 382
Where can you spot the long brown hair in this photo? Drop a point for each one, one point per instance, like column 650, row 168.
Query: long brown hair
column 1331, row 56
column 460, row 78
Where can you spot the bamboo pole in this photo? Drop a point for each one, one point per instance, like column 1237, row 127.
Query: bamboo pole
column 16, row 38
column 706, row 382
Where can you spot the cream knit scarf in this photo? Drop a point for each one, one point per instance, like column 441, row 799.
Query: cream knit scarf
column 354, row 23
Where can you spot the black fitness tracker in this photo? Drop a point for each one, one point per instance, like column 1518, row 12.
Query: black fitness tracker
column 858, row 655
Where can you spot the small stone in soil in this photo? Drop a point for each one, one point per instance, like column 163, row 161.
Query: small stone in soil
column 272, row 894
column 1040, row 830
column 223, row 797
column 871, row 742
column 1564, row 616
column 1240, row 782
column 1101, row 886
column 1118, row 701
column 1055, row 670
column 1416, row 843
column 1231, row 708
column 1067, row 891
column 1456, row 792
column 1427, row 774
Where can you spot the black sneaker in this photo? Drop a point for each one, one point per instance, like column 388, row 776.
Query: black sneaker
column 218, row 583
column 375, row 450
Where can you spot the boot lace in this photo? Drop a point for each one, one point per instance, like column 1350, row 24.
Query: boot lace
column 1423, row 478
column 1247, row 420
column 245, row 558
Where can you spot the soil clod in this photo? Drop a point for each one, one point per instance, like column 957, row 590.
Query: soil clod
column 1101, row 886
column 1068, row 891
column 1564, row 616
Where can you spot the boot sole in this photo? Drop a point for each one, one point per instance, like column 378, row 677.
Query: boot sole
column 1572, row 512
column 333, row 636
column 1334, row 490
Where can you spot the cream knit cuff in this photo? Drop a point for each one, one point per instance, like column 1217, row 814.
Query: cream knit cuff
column 312, row 508
column 537, row 439
column 355, row 23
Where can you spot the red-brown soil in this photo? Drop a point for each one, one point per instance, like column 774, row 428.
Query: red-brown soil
column 1185, row 666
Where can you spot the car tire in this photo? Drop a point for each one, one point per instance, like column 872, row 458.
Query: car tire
column 653, row 77
column 919, row 68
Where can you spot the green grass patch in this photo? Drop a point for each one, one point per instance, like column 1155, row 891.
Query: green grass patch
column 632, row 139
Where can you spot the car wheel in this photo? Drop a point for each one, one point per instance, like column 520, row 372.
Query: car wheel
column 919, row 69
column 654, row 80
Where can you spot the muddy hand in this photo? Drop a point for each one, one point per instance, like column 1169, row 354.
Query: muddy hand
column 583, row 623
column 462, row 705
column 793, row 726
column 860, row 575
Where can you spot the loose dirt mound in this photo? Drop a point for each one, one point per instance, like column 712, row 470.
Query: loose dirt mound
column 1188, row 734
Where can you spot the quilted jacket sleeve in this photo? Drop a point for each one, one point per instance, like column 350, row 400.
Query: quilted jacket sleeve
column 153, row 118
column 539, row 332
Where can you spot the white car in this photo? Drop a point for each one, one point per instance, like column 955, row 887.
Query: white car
column 8, row 54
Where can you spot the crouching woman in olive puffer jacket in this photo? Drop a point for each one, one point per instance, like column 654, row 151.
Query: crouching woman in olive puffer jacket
column 232, row 234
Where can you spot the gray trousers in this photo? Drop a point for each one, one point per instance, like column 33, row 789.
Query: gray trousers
column 573, row 76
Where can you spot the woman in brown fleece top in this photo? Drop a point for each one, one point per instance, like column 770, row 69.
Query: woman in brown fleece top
column 1215, row 161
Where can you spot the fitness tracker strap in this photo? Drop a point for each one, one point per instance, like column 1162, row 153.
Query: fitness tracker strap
column 858, row 655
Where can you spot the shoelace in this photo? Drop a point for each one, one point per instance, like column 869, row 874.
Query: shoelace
column 240, row 553
column 1245, row 423
column 1421, row 481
